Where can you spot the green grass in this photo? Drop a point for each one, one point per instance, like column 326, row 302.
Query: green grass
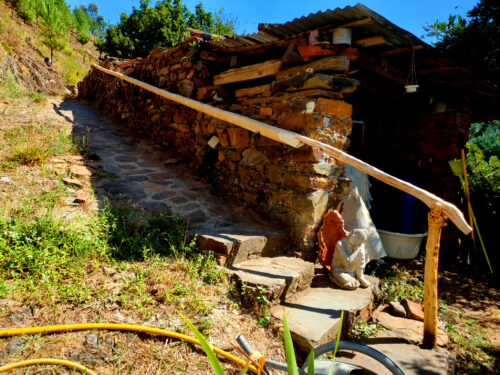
column 9, row 88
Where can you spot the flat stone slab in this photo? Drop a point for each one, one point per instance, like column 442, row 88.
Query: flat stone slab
column 280, row 276
column 407, row 329
column 411, row 359
column 237, row 245
column 314, row 314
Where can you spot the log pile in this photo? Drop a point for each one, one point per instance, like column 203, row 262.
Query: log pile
column 299, row 89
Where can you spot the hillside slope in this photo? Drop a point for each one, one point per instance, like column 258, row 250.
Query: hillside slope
column 22, row 56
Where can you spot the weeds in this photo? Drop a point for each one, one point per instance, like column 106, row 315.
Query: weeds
column 397, row 284
column 362, row 330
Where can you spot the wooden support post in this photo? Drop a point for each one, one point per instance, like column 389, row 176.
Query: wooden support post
column 437, row 220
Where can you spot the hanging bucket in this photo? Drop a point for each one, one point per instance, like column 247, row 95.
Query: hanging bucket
column 411, row 88
column 342, row 36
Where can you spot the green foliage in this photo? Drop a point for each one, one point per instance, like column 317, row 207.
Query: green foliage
column 362, row 330
column 397, row 284
column 484, row 175
column 135, row 236
column 291, row 362
column 486, row 135
column 82, row 24
column 55, row 18
column 29, row 9
column 473, row 41
column 9, row 88
column 162, row 25
column 214, row 361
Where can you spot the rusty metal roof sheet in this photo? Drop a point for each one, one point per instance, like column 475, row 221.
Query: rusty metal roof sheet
column 268, row 33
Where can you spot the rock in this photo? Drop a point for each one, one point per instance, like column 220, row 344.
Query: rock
column 254, row 157
column 92, row 341
column 72, row 181
column 80, row 171
column 82, row 197
column 6, row 180
column 16, row 345
column 238, row 137
column 281, row 276
column 17, row 318
column 185, row 88
column 410, row 330
column 88, row 359
column 109, row 271
column 313, row 314
column 397, row 309
column 413, row 310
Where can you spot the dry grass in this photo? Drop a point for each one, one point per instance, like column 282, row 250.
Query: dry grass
column 96, row 286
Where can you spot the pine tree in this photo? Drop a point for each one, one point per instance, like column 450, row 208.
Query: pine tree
column 55, row 17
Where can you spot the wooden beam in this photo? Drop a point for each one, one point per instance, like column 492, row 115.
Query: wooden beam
column 383, row 69
column 437, row 219
column 398, row 51
column 337, row 63
column 246, row 73
column 439, row 69
column 306, row 81
column 371, row 41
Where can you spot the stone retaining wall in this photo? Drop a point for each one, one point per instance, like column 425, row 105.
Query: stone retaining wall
column 295, row 187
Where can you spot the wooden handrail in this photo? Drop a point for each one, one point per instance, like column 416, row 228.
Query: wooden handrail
column 296, row 140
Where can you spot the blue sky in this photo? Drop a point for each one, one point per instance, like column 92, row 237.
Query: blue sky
column 411, row 15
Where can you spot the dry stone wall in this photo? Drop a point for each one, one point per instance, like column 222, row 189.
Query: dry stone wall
column 294, row 187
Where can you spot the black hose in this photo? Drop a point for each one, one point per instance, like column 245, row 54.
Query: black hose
column 345, row 345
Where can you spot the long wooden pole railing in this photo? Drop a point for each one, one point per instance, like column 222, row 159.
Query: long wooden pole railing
column 436, row 204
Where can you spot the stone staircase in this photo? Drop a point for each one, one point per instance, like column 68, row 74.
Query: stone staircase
column 312, row 304
column 142, row 172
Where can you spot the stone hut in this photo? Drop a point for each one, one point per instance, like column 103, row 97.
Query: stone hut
column 337, row 76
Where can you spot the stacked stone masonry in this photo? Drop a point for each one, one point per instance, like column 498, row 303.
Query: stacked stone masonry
column 294, row 187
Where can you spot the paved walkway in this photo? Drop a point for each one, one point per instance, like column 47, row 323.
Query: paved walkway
column 142, row 172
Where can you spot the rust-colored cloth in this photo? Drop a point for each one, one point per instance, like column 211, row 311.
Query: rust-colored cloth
column 330, row 233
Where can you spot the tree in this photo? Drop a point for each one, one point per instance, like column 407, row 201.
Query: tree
column 474, row 40
column 55, row 16
column 82, row 22
column 162, row 25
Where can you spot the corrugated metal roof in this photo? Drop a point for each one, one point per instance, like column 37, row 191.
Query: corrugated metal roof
column 269, row 33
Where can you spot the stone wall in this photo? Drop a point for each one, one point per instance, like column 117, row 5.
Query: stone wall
column 294, row 187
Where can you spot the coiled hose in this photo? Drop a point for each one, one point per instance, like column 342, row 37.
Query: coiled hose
column 103, row 326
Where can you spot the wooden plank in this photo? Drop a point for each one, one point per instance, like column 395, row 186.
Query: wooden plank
column 337, row 63
column 297, row 140
column 439, row 69
column 306, row 81
column 246, row 73
column 371, row 41
column 398, row 51
column 437, row 220
column 253, row 91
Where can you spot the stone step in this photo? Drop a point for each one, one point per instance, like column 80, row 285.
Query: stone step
column 280, row 277
column 237, row 245
column 314, row 313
